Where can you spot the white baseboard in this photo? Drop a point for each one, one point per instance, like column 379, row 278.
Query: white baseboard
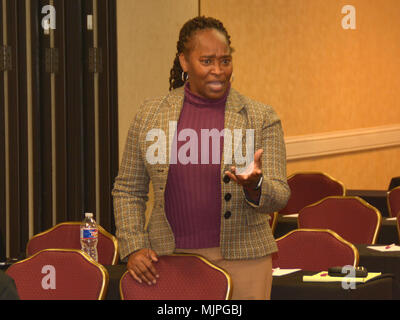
column 339, row 142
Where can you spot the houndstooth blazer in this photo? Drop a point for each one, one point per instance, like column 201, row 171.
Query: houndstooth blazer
column 246, row 233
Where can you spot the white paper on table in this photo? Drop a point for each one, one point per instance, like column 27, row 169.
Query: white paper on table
column 294, row 215
column 388, row 248
column 277, row 272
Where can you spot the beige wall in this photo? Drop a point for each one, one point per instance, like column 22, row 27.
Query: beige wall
column 291, row 54
column 147, row 35
column 358, row 170
column 295, row 56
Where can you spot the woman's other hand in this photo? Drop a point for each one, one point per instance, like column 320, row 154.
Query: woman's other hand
column 141, row 266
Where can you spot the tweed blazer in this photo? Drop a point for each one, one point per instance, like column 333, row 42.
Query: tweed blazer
column 245, row 232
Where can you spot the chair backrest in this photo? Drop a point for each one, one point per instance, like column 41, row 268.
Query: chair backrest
column 393, row 201
column 314, row 250
column 59, row 274
column 394, row 182
column 273, row 221
column 182, row 277
column 66, row 235
column 309, row 187
column 351, row 217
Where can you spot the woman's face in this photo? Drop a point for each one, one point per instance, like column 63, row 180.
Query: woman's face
column 208, row 64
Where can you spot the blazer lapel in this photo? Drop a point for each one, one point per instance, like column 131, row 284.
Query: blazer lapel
column 169, row 116
column 235, row 119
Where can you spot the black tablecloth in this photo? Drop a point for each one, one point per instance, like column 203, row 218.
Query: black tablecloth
column 388, row 233
column 115, row 273
column 377, row 198
column 292, row 287
column 385, row 262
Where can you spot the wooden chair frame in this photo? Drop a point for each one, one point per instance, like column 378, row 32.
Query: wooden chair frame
column 391, row 214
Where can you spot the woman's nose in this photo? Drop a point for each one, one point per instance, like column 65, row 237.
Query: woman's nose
column 217, row 69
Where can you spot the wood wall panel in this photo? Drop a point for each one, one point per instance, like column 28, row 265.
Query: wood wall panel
column 47, row 127
column 3, row 229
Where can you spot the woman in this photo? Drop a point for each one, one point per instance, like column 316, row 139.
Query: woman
column 201, row 203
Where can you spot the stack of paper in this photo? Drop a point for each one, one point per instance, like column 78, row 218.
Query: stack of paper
column 277, row 272
column 388, row 248
column 293, row 215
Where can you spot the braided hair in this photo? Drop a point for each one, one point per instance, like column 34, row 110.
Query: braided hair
column 187, row 31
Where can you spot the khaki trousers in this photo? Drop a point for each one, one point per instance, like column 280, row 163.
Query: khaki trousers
column 251, row 278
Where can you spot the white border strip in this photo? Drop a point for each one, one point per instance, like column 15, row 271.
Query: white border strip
column 339, row 142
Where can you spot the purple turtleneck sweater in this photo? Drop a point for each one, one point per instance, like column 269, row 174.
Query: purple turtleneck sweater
column 193, row 191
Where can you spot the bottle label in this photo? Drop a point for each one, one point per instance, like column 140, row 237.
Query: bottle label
column 88, row 233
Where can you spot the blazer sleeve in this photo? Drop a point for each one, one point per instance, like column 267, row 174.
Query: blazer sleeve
column 275, row 191
column 130, row 194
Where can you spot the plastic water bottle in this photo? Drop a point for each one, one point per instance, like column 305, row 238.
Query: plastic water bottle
column 89, row 236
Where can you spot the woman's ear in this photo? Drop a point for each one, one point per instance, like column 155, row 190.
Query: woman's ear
column 183, row 62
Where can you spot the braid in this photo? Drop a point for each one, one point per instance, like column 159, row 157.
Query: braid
column 187, row 31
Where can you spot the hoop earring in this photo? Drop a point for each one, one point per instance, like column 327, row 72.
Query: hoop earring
column 184, row 79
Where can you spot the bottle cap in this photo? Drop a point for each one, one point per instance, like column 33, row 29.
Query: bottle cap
column 89, row 215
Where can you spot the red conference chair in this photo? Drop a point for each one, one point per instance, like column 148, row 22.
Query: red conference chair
column 394, row 182
column 314, row 250
column 351, row 217
column 59, row 274
column 66, row 235
column 393, row 201
column 309, row 187
column 182, row 277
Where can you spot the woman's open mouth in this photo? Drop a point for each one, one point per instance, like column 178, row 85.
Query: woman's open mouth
column 216, row 85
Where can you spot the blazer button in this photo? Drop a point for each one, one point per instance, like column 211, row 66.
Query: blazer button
column 228, row 197
column 226, row 179
column 227, row 215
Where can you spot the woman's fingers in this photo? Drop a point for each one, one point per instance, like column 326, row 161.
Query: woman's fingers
column 232, row 176
column 150, row 270
column 144, row 273
column 257, row 158
column 250, row 176
column 134, row 275
column 152, row 255
column 140, row 266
